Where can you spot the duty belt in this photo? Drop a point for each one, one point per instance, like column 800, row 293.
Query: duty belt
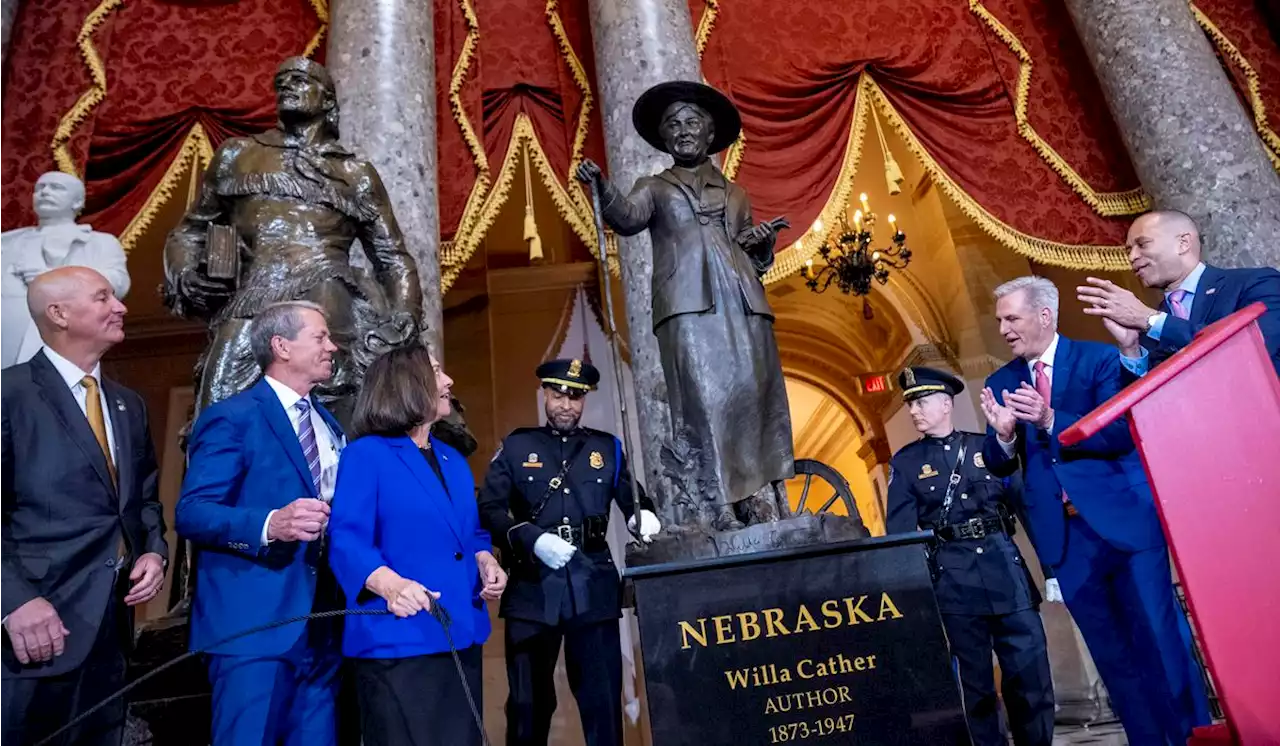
column 590, row 536
column 974, row 528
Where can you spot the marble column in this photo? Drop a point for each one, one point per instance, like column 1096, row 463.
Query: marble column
column 639, row 43
column 381, row 55
column 1193, row 145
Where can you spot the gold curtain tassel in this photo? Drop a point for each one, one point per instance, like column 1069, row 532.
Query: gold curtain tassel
column 892, row 171
column 531, row 236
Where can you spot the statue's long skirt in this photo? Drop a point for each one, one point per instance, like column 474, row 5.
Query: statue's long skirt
column 728, row 397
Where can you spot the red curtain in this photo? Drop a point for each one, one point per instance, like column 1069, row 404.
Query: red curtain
column 532, row 61
column 945, row 73
column 951, row 84
column 44, row 76
column 168, row 66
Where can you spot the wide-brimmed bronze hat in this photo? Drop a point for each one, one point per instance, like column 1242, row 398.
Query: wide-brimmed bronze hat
column 653, row 103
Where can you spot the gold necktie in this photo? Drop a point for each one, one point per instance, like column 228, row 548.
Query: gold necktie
column 97, row 422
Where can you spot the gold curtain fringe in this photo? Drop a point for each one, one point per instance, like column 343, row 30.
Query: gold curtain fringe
column 194, row 156
column 455, row 254
column 575, row 192
column 321, row 8
column 1106, row 204
column 1083, row 257
column 1270, row 140
column 705, row 24
column 789, row 261
column 456, row 80
column 90, row 98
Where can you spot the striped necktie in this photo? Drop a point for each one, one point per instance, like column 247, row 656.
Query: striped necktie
column 307, row 438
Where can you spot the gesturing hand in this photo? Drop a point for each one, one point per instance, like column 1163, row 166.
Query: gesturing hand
column 1110, row 301
column 998, row 416
column 492, row 577
column 1029, row 406
column 301, row 520
column 36, row 632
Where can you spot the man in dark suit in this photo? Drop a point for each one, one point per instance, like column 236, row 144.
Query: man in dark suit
column 1164, row 251
column 254, row 502
column 546, row 503
column 83, row 529
column 1090, row 511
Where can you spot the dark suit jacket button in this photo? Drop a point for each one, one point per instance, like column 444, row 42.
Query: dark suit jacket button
column 457, row 556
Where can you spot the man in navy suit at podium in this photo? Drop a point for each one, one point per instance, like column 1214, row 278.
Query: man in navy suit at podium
column 1164, row 251
column 1090, row 511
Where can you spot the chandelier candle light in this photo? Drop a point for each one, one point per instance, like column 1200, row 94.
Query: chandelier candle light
column 850, row 261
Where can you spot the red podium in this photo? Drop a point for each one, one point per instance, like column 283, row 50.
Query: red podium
column 1207, row 423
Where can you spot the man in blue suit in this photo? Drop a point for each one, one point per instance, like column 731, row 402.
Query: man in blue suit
column 255, row 503
column 1090, row 511
column 1164, row 252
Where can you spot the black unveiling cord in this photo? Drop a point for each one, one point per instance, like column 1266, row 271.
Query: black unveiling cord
column 438, row 611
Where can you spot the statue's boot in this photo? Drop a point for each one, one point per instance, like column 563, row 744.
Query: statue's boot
column 725, row 520
column 762, row 507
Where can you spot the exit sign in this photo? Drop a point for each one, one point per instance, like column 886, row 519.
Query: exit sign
column 875, row 384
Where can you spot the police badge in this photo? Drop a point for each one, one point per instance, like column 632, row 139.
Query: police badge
column 597, row 460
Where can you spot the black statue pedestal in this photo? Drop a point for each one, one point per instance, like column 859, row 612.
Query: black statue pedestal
column 680, row 543
column 836, row 643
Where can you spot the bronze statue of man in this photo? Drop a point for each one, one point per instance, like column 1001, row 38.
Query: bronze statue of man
column 731, row 422
column 275, row 220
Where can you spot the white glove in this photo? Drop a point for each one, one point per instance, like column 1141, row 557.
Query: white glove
column 649, row 525
column 553, row 551
column 1052, row 593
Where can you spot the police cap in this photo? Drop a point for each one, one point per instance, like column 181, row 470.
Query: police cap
column 920, row 381
column 573, row 377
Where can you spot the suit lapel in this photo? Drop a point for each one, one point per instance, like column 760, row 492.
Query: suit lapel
column 436, row 496
column 1064, row 361
column 335, row 429
column 124, row 438
column 1206, row 294
column 280, row 424
column 60, row 400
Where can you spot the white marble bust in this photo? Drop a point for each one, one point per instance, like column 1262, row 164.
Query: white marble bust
column 58, row 241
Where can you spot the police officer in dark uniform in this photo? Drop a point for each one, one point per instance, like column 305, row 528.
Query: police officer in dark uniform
column 546, row 502
column 985, row 594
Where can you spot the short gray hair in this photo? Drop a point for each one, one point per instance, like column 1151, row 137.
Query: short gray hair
column 278, row 320
column 1041, row 293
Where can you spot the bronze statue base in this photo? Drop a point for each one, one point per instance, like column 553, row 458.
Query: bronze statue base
column 683, row 543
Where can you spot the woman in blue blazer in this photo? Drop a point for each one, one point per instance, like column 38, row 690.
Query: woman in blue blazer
column 405, row 534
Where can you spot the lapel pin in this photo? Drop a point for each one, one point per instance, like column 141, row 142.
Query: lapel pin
column 1210, row 291
column 120, row 405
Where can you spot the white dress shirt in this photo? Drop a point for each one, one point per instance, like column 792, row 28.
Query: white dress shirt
column 326, row 442
column 73, row 377
column 1047, row 358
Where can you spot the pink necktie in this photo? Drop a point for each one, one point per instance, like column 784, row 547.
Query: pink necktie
column 1175, row 304
column 1044, row 387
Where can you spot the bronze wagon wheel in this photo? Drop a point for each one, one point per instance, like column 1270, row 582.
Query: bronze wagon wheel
column 814, row 497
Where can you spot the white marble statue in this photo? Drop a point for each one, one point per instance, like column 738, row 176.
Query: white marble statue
column 58, row 241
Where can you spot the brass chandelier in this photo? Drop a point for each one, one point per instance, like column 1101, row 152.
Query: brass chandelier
column 851, row 262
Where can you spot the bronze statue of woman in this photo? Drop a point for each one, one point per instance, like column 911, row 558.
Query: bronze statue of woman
column 728, row 398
